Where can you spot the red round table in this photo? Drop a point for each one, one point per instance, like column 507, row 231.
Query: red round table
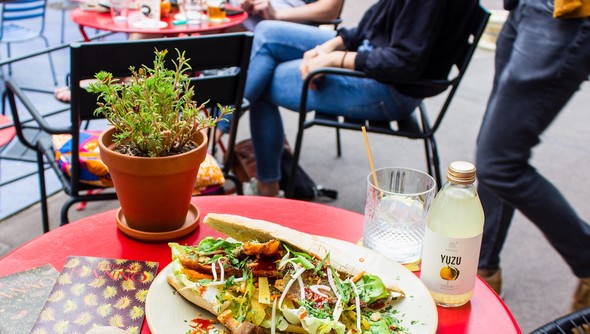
column 103, row 21
column 98, row 236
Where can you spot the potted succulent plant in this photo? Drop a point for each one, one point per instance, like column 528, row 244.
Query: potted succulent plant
column 156, row 143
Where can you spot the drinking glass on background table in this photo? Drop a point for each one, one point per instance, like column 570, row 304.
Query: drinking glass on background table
column 193, row 11
column 216, row 10
column 395, row 212
column 119, row 10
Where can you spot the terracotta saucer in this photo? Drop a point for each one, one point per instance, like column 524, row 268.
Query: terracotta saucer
column 190, row 224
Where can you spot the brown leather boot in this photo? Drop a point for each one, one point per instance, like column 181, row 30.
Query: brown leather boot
column 492, row 278
column 582, row 295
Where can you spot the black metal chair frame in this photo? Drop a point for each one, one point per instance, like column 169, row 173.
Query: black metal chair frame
column 579, row 321
column 87, row 59
column 415, row 127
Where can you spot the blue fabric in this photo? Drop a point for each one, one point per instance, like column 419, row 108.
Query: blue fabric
column 274, row 80
column 540, row 63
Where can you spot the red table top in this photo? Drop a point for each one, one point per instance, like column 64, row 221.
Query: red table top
column 6, row 134
column 103, row 21
column 98, row 236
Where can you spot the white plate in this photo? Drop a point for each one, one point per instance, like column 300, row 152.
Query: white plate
column 142, row 25
column 169, row 313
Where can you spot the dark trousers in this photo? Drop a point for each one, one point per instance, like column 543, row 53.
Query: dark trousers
column 540, row 64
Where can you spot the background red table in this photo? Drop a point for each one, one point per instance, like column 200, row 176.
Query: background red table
column 98, row 236
column 104, row 21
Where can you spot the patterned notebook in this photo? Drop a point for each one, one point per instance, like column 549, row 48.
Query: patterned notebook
column 93, row 292
column 22, row 296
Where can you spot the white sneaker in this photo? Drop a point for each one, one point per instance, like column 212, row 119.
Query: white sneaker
column 250, row 188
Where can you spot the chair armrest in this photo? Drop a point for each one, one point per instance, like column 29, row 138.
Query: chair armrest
column 12, row 90
column 334, row 22
column 425, row 83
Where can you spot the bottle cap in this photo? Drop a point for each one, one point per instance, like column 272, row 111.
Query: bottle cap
column 461, row 172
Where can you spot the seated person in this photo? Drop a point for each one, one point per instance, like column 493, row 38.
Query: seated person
column 395, row 39
column 283, row 10
column 288, row 10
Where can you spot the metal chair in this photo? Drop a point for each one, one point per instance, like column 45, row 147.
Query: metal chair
column 574, row 323
column 12, row 15
column 418, row 126
column 87, row 59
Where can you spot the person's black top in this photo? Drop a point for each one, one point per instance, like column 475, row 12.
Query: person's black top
column 411, row 39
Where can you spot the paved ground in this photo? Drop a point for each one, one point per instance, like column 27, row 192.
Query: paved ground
column 538, row 285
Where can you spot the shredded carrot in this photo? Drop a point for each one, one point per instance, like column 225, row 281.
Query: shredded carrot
column 358, row 276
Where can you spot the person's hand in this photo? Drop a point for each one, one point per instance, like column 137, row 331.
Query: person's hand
column 259, row 7
column 246, row 5
column 314, row 59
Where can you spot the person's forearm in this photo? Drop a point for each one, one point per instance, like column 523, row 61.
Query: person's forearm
column 317, row 11
column 333, row 44
column 347, row 60
column 342, row 59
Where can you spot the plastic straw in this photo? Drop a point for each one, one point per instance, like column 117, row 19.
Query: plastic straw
column 370, row 155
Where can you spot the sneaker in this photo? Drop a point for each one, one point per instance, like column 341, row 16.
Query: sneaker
column 582, row 295
column 494, row 280
column 251, row 189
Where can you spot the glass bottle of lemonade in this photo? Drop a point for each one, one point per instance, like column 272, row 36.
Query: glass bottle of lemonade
column 453, row 238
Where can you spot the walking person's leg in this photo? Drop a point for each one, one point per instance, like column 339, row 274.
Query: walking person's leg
column 547, row 63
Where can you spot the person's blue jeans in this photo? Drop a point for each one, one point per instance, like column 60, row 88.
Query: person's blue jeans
column 274, row 80
column 540, row 63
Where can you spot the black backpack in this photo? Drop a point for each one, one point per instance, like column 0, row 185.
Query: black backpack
column 305, row 187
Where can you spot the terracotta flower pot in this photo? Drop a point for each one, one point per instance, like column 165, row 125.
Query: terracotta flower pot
column 154, row 193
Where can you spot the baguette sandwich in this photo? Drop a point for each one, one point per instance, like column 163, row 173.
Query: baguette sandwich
column 267, row 278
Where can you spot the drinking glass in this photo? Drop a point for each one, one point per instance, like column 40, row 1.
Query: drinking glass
column 119, row 10
column 216, row 10
column 395, row 212
column 193, row 11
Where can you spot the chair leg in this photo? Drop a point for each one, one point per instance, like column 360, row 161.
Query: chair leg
column 436, row 162
column 433, row 161
column 428, row 154
column 338, row 144
column 8, row 56
column 52, row 67
column 42, row 191
column 4, row 100
column 64, row 210
column 82, row 205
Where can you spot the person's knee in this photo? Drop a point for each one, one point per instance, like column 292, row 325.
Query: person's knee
column 498, row 173
column 271, row 30
column 264, row 30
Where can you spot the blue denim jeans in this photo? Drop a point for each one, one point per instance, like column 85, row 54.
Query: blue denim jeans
column 274, row 80
column 540, row 63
